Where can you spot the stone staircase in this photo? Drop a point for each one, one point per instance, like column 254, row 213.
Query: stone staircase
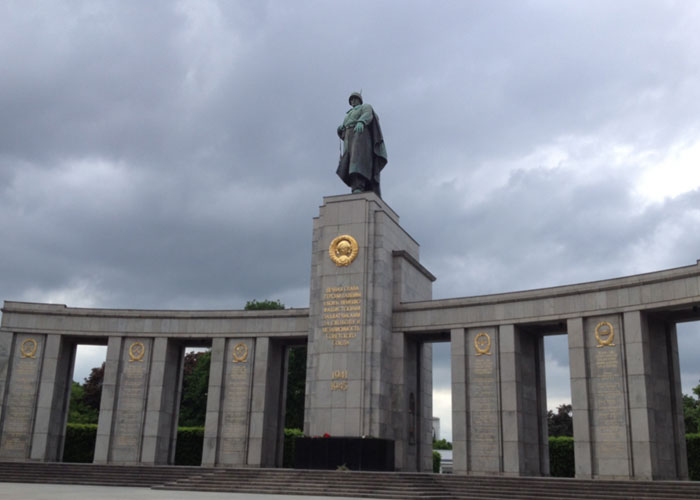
column 92, row 474
column 346, row 483
column 483, row 487
column 314, row 482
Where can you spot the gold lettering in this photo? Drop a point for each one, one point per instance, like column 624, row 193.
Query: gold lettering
column 342, row 314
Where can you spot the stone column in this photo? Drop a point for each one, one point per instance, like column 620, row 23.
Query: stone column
column 6, row 343
column 160, row 428
column 53, row 400
column 425, row 386
column 476, row 402
column 676, row 407
column 230, row 436
column 578, row 371
column 23, row 371
column 656, row 413
column 407, row 415
column 120, row 428
column 523, row 403
column 599, row 394
column 213, row 415
column 267, row 409
column 107, row 400
column 498, row 402
column 460, row 403
column 484, row 401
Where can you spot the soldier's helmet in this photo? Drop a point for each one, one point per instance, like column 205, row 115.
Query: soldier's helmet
column 355, row 94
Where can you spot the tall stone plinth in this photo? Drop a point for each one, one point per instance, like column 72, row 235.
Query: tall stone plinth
column 356, row 365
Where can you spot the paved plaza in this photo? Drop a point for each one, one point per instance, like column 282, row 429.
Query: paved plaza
column 25, row 491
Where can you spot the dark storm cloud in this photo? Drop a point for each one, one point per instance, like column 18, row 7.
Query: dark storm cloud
column 173, row 154
column 544, row 229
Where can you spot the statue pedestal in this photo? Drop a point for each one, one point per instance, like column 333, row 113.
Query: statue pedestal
column 353, row 453
column 363, row 379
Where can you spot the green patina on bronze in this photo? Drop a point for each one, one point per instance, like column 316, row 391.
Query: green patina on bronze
column 364, row 153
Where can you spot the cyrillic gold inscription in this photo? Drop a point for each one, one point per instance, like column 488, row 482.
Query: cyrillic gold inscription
column 342, row 314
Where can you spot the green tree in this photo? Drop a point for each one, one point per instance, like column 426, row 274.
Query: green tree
column 691, row 411
column 93, row 387
column 85, row 398
column 560, row 423
column 195, row 384
column 79, row 412
column 441, row 444
column 263, row 305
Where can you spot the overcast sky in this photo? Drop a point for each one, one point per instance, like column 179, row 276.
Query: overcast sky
column 163, row 154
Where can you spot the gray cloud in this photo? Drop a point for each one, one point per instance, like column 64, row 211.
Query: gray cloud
column 161, row 154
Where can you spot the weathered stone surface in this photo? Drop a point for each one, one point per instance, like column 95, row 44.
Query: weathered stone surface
column 363, row 380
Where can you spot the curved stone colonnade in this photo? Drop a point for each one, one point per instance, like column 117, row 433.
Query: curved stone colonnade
column 369, row 365
column 140, row 393
column 625, row 375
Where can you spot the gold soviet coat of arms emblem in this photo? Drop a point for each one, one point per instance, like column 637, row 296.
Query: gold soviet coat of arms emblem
column 343, row 250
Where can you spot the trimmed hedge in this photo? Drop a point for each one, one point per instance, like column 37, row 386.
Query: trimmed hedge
column 289, row 436
column 437, row 460
column 80, row 443
column 188, row 449
column 692, row 442
column 561, row 456
column 80, row 448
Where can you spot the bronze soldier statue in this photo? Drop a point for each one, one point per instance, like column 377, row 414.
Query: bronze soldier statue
column 364, row 153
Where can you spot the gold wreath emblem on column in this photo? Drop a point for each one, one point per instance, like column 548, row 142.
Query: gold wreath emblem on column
column 136, row 351
column 28, row 348
column 604, row 334
column 343, row 250
column 482, row 344
column 240, row 353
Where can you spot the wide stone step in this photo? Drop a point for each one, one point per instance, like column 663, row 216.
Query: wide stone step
column 312, row 483
column 571, row 488
column 345, row 483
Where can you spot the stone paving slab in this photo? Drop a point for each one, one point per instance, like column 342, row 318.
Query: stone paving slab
column 24, row 491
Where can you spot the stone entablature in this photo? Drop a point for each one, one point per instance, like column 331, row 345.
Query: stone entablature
column 669, row 290
column 59, row 319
